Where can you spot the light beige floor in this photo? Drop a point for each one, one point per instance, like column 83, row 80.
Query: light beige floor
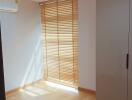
column 41, row 91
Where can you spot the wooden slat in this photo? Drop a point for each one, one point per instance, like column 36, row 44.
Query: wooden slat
column 60, row 28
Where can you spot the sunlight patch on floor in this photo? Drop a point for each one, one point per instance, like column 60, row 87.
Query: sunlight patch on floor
column 54, row 85
column 34, row 91
column 27, row 92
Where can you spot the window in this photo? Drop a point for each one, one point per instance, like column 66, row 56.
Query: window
column 60, row 28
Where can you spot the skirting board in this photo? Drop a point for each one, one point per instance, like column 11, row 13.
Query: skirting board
column 87, row 90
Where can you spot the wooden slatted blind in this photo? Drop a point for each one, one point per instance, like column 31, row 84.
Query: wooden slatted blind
column 60, row 28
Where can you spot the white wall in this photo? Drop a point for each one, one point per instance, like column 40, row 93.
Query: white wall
column 87, row 35
column 21, row 33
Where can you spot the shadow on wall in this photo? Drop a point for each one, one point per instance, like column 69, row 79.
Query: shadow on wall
column 35, row 69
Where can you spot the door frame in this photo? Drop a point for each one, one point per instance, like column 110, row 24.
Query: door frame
column 2, row 83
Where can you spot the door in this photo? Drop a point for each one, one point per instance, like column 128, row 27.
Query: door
column 112, row 48
column 130, row 57
column 2, row 87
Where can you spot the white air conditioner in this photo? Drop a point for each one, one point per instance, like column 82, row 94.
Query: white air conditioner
column 9, row 5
